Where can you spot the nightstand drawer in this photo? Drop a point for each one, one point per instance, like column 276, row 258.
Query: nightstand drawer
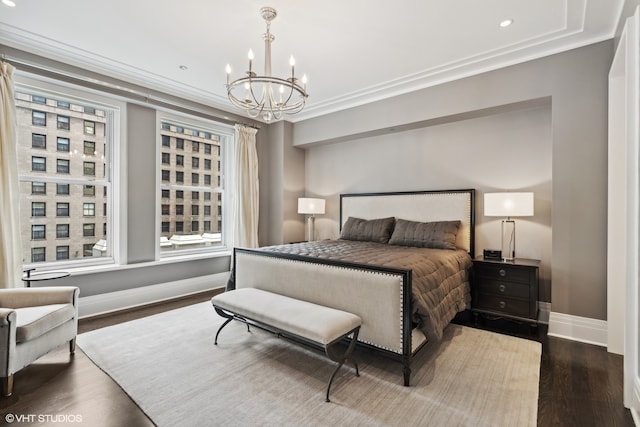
column 506, row 289
column 508, row 306
column 504, row 272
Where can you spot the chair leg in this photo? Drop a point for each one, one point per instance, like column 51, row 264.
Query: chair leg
column 7, row 385
column 72, row 346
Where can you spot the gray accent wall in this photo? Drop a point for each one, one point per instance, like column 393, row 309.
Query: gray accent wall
column 567, row 94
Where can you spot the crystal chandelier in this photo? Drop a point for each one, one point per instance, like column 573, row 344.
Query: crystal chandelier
column 267, row 96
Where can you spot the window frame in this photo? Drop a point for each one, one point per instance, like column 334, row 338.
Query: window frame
column 226, row 134
column 114, row 110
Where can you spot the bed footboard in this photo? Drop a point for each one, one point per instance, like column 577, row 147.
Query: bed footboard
column 380, row 296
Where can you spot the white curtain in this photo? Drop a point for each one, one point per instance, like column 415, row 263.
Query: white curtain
column 245, row 230
column 10, row 242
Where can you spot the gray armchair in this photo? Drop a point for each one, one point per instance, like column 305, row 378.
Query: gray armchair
column 34, row 321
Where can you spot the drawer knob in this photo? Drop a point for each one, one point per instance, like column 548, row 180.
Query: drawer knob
column 503, row 304
column 502, row 272
column 502, row 288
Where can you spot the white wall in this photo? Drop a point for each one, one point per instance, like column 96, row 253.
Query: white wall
column 507, row 151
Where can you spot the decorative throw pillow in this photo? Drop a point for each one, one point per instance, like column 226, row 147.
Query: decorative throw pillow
column 437, row 235
column 372, row 230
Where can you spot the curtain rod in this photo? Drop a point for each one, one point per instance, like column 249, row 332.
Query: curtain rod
column 114, row 89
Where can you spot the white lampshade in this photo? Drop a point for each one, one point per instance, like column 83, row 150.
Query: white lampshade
column 310, row 206
column 508, row 204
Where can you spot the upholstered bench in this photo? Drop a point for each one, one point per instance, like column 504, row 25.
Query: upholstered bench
column 301, row 320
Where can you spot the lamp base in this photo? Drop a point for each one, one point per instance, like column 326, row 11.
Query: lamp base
column 310, row 228
column 508, row 239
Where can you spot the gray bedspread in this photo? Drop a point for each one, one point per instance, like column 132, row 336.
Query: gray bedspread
column 440, row 277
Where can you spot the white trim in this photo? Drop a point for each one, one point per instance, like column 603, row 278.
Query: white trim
column 635, row 402
column 576, row 328
column 544, row 311
column 113, row 301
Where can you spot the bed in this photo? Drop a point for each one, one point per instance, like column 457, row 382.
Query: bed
column 402, row 264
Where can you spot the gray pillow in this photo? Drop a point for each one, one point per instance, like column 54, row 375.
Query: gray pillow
column 438, row 234
column 372, row 230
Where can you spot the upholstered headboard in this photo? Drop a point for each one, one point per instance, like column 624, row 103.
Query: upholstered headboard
column 423, row 206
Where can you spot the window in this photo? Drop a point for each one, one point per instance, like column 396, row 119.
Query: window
column 38, row 118
column 166, row 194
column 166, row 158
column 38, row 232
column 62, row 209
column 38, row 164
column 62, row 144
column 38, row 141
column 89, row 209
column 89, row 127
column 38, row 187
column 87, row 250
column 88, row 230
column 62, row 166
column 64, row 122
column 89, row 148
column 62, row 253
column 165, row 175
column 62, row 231
column 38, row 254
column 79, row 153
column 89, row 168
column 38, row 208
column 38, row 99
column 62, row 189
column 165, row 209
column 166, row 141
column 203, row 138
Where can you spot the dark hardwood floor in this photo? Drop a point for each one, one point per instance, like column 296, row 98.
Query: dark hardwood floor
column 580, row 384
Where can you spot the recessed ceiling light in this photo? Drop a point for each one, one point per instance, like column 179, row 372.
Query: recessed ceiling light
column 506, row 23
column 9, row 3
column 182, row 67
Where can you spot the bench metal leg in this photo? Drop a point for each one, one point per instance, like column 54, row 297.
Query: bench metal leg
column 229, row 318
column 340, row 359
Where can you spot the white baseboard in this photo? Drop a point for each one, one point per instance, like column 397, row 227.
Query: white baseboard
column 576, row 328
column 544, row 310
column 114, row 301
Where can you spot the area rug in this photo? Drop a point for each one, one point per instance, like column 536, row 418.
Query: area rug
column 168, row 364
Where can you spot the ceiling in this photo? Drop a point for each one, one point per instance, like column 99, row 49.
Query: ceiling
column 353, row 52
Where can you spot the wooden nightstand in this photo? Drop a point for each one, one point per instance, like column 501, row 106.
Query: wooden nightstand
column 506, row 288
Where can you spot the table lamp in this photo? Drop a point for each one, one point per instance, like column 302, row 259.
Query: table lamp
column 508, row 205
column 310, row 207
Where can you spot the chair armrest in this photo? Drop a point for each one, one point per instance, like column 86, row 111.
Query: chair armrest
column 7, row 317
column 31, row 297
